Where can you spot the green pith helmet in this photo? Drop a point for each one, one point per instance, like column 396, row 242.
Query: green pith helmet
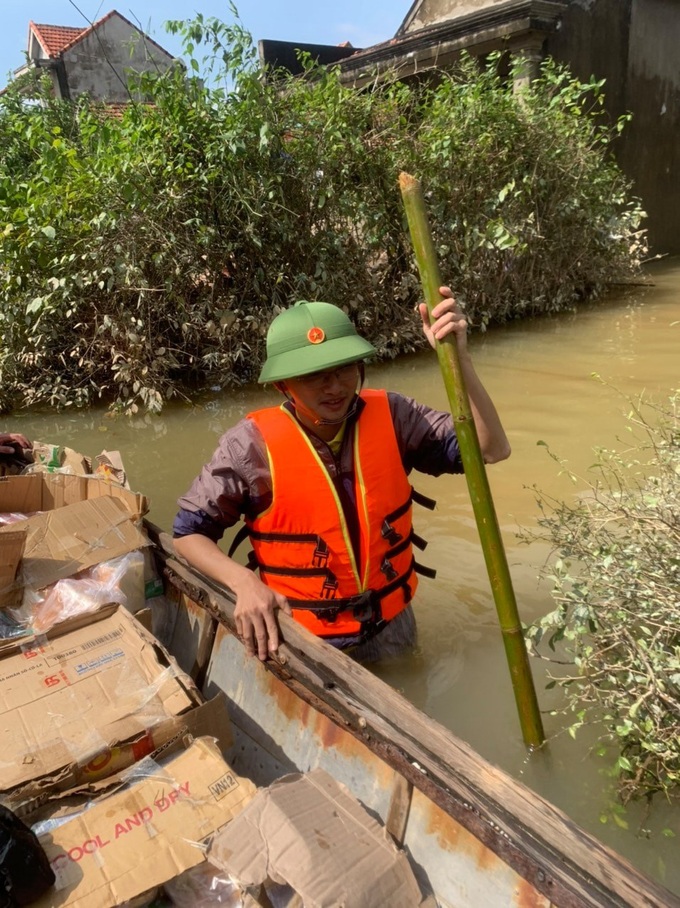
column 310, row 337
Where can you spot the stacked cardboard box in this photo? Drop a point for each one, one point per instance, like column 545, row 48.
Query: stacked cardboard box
column 78, row 522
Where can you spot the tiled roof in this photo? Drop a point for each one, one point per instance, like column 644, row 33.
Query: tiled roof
column 54, row 38
column 116, row 109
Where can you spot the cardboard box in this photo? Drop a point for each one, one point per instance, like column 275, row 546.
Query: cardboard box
column 84, row 521
column 84, row 703
column 48, row 491
column 308, row 831
column 146, row 834
column 106, row 774
column 12, row 545
column 64, row 542
column 48, row 458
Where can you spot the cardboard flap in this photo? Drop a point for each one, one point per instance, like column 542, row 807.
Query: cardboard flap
column 310, row 832
column 12, row 545
column 63, row 542
column 34, row 492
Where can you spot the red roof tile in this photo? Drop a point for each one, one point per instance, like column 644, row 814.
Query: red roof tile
column 54, row 38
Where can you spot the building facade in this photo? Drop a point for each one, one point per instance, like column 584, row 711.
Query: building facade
column 99, row 60
column 632, row 44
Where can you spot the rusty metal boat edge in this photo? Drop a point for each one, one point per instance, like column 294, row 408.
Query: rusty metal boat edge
column 476, row 837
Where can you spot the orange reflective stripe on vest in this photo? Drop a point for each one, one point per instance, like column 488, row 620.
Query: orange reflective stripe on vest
column 302, row 542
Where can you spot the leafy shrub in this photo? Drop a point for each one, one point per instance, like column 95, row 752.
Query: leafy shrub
column 616, row 584
column 144, row 256
column 531, row 215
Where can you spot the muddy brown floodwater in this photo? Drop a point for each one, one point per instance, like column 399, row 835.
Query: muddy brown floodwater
column 560, row 380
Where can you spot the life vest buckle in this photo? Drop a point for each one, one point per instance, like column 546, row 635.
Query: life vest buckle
column 388, row 532
column 366, row 608
column 387, row 568
column 329, row 589
column 321, row 553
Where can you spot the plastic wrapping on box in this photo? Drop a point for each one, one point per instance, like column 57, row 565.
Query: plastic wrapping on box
column 120, row 580
column 203, row 885
column 7, row 519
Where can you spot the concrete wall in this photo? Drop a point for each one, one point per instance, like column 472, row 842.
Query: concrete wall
column 651, row 148
column 431, row 12
column 97, row 64
column 633, row 44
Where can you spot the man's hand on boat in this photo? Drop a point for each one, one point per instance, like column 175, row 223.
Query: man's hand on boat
column 256, row 604
column 255, row 618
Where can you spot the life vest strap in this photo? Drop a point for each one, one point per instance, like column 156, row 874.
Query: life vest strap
column 424, row 571
column 246, row 532
column 423, row 500
column 400, row 511
column 365, row 607
column 319, row 570
column 239, row 538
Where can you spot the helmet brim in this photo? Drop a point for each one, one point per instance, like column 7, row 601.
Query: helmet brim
column 315, row 358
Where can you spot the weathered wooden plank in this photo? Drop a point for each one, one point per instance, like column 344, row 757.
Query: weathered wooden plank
column 548, row 849
column 400, row 805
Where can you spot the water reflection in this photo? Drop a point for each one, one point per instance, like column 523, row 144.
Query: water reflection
column 540, row 374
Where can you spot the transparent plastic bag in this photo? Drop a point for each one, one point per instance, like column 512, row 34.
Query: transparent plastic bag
column 125, row 573
column 120, row 580
column 202, row 885
column 7, row 519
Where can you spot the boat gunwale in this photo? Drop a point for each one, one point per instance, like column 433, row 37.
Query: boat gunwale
column 443, row 767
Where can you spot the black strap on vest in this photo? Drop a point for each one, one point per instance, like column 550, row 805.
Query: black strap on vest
column 424, row 571
column 365, row 607
column 240, row 537
column 423, row 500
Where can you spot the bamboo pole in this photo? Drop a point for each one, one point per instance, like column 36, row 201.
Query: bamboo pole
column 475, row 473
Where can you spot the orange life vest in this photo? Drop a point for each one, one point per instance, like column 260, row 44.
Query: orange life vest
column 302, row 544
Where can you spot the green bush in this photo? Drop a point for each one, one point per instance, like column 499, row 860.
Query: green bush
column 617, row 587
column 143, row 256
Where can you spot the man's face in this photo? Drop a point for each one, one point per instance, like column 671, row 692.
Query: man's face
column 323, row 395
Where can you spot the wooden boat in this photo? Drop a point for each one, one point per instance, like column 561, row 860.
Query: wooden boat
column 476, row 837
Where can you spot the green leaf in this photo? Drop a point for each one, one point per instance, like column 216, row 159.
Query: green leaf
column 49, row 232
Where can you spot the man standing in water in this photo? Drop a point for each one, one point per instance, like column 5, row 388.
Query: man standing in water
column 322, row 484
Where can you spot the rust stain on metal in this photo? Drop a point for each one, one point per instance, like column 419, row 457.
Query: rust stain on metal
column 326, row 729
column 452, row 836
column 289, row 703
column 527, row 896
column 440, row 825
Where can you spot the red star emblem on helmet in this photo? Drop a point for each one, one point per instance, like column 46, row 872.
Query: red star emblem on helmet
column 316, row 335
